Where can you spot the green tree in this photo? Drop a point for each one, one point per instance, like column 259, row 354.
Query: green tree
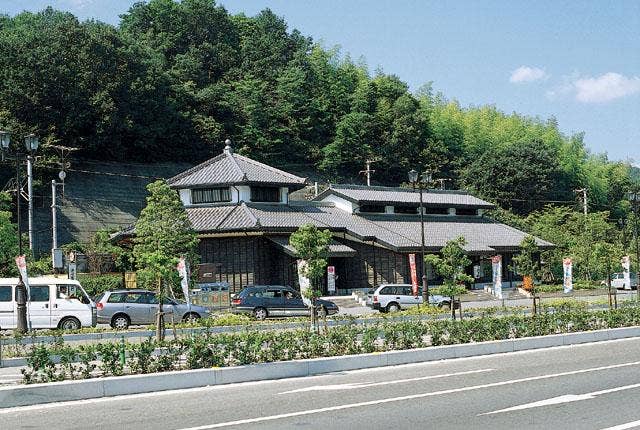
column 8, row 239
column 312, row 247
column 527, row 262
column 450, row 265
column 163, row 234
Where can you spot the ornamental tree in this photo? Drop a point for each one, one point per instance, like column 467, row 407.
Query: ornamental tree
column 8, row 239
column 163, row 234
column 450, row 266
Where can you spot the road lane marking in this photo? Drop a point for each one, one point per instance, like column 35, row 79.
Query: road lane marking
column 631, row 425
column 409, row 397
column 337, row 387
column 567, row 398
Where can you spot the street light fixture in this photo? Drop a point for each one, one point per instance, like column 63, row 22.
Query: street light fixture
column 31, row 145
column 426, row 178
column 634, row 199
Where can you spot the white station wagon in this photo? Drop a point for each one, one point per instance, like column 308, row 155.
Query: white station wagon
column 55, row 303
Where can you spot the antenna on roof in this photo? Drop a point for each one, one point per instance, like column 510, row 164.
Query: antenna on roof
column 227, row 147
column 368, row 172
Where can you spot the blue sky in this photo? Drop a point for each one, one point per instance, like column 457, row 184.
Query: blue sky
column 576, row 60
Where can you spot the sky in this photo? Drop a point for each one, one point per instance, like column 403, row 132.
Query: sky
column 577, row 60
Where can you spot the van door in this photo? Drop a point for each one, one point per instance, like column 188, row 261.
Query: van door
column 7, row 307
column 69, row 301
column 40, row 306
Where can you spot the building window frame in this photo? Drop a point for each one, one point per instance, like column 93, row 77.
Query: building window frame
column 210, row 195
column 265, row 194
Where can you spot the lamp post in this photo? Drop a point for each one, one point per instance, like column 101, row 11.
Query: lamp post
column 634, row 198
column 31, row 145
column 426, row 178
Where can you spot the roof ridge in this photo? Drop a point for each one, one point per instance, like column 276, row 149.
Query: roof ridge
column 398, row 189
column 226, row 216
column 234, row 162
column 270, row 168
column 195, row 168
column 246, row 209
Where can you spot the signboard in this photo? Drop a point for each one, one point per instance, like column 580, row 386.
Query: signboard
column 73, row 269
column 57, row 258
column 496, row 265
column 303, row 281
column 567, row 270
column 626, row 266
column 331, row 279
column 184, row 279
column 414, row 274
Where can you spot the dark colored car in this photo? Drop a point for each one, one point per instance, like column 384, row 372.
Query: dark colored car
column 263, row 301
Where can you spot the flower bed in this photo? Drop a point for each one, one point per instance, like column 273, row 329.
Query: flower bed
column 249, row 347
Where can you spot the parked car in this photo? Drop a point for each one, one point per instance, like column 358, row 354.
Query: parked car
column 123, row 308
column 617, row 281
column 55, row 303
column 395, row 297
column 263, row 301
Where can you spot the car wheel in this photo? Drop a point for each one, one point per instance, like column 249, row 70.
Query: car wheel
column 260, row 313
column 191, row 317
column 69, row 323
column 120, row 322
column 322, row 312
column 393, row 307
column 445, row 305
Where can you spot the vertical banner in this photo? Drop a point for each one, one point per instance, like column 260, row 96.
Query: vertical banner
column 567, row 271
column 626, row 266
column 414, row 274
column 184, row 279
column 22, row 267
column 331, row 279
column 303, row 281
column 496, row 265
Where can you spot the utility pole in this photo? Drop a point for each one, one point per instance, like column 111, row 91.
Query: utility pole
column 584, row 198
column 368, row 172
column 30, row 199
column 54, row 224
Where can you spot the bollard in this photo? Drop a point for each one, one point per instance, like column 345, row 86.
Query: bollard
column 122, row 352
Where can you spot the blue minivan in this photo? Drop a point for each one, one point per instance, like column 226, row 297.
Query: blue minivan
column 264, row 301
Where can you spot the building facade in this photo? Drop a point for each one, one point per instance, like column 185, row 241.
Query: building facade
column 242, row 213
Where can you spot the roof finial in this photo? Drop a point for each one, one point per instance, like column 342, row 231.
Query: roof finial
column 227, row 147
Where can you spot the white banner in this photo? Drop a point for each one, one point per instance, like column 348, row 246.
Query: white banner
column 626, row 266
column 567, row 271
column 496, row 265
column 303, row 281
column 22, row 267
column 184, row 279
column 331, row 279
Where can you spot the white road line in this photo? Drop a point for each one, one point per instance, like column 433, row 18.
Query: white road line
column 337, row 387
column 568, row 398
column 410, row 397
column 631, row 425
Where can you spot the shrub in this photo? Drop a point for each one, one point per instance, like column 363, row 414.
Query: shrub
column 96, row 284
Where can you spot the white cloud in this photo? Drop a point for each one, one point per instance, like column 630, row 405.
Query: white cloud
column 604, row 88
column 527, row 74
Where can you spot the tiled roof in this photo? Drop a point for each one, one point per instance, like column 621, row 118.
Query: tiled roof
column 233, row 169
column 391, row 195
column 336, row 249
column 397, row 232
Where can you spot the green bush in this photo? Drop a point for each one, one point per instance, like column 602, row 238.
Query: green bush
column 96, row 284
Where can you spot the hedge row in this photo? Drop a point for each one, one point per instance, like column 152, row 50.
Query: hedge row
column 249, row 347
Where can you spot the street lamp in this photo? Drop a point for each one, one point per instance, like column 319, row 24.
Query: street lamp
column 31, row 145
column 634, row 198
column 426, row 178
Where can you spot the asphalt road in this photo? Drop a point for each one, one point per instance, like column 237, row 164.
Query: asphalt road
column 593, row 386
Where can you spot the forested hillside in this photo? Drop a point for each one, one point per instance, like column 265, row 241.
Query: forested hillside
column 173, row 80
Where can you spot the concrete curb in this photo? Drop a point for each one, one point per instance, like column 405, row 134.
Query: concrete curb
column 24, row 395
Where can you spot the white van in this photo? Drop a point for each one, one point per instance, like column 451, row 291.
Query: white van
column 55, row 303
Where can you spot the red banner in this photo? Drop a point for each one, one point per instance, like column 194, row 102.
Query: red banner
column 414, row 274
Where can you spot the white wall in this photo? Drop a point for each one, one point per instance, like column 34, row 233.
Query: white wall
column 185, row 196
column 340, row 203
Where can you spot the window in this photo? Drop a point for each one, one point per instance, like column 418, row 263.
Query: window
column 5, row 293
column 465, row 211
column 406, row 210
column 117, row 298
column 388, row 291
column 265, row 194
column 210, row 195
column 39, row 293
column 436, row 211
column 372, row 209
column 136, row 298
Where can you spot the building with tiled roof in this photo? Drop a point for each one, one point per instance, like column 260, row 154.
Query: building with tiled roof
column 242, row 213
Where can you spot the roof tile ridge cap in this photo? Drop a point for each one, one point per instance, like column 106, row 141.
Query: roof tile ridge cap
column 247, row 211
column 194, row 169
column 234, row 162
column 226, row 217
column 270, row 168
